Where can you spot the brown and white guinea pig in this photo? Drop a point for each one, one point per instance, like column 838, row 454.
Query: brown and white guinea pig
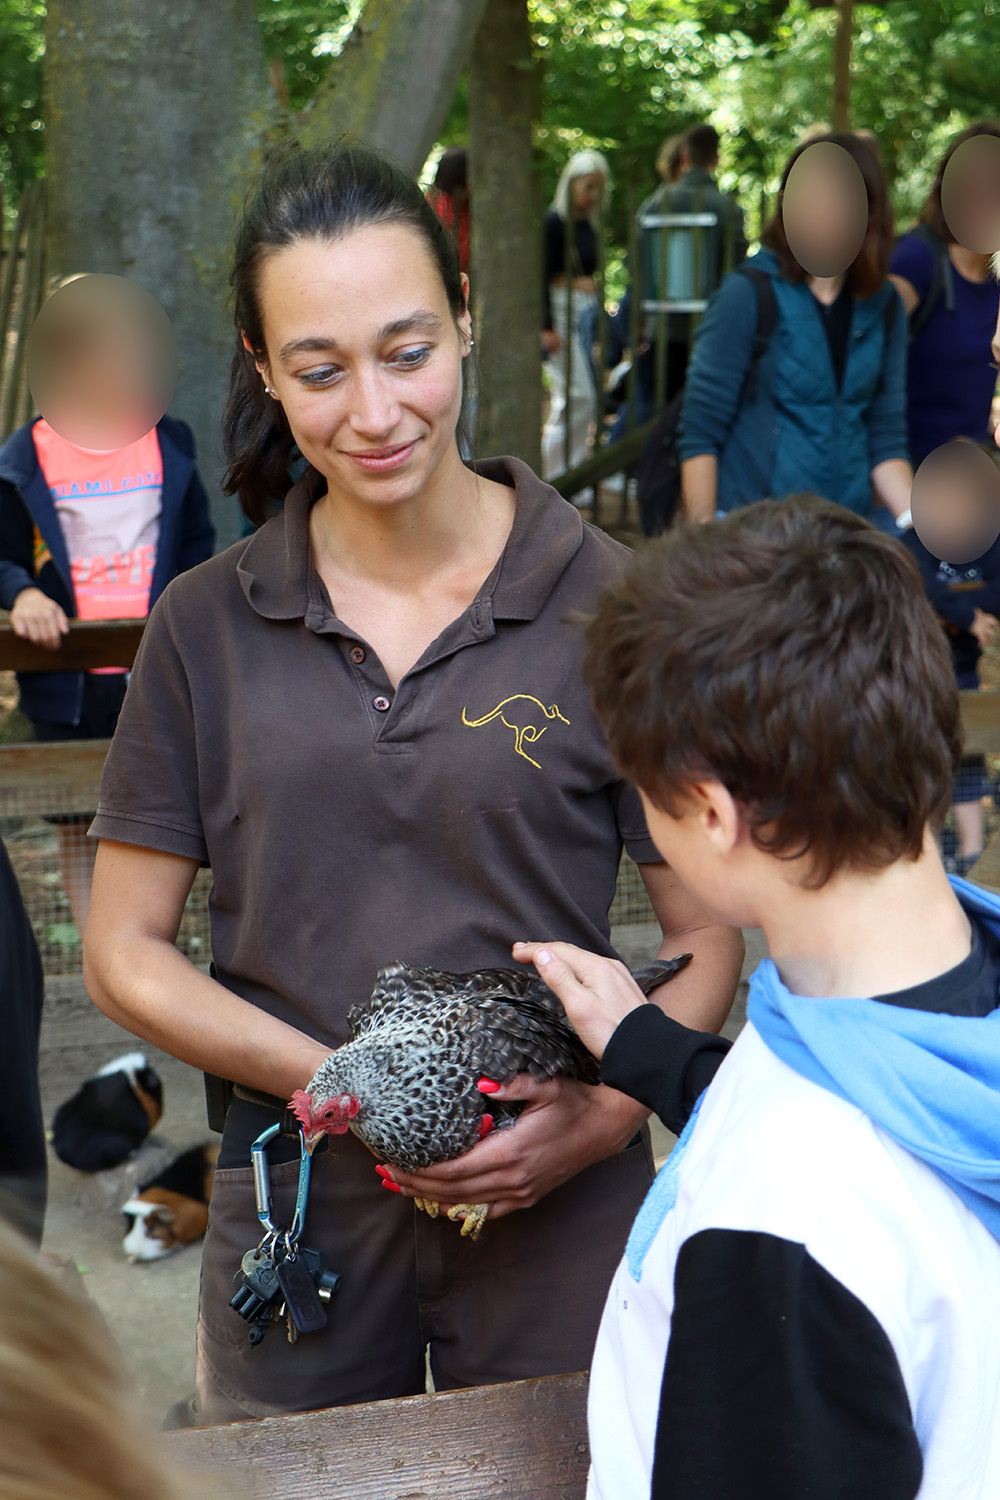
column 171, row 1209
column 109, row 1116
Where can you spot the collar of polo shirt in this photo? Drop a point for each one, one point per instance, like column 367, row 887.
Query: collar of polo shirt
column 546, row 534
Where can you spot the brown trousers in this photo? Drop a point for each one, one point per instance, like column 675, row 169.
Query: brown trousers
column 523, row 1300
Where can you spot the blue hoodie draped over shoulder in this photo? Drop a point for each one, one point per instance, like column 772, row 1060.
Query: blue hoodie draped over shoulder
column 793, row 430
column 930, row 1081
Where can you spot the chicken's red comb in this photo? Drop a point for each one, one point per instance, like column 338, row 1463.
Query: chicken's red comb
column 301, row 1106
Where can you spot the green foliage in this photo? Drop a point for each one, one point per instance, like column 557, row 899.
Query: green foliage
column 305, row 35
column 22, row 43
column 622, row 75
column 921, row 71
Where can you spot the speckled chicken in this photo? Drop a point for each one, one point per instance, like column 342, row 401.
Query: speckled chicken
column 406, row 1082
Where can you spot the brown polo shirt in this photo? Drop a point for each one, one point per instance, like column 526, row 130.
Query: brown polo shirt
column 347, row 823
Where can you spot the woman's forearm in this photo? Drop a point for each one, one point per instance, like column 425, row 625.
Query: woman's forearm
column 892, row 481
column 147, row 986
column 137, row 976
column 699, row 487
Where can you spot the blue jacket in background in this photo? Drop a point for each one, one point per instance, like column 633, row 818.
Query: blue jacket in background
column 796, row 431
column 956, row 591
column 187, row 537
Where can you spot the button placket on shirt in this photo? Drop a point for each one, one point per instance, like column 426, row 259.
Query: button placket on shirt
column 371, row 679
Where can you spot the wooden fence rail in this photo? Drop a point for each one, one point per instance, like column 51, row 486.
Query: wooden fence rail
column 526, row 1440
column 90, row 643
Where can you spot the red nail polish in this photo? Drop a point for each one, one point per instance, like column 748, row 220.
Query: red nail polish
column 486, row 1126
column 393, row 1187
column 383, row 1171
column 487, row 1086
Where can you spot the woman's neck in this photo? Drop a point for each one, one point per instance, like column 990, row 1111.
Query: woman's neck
column 404, row 545
column 869, row 935
column 825, row 289
column 969, row 263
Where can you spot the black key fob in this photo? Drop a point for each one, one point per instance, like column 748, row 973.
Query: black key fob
column 304, row 1305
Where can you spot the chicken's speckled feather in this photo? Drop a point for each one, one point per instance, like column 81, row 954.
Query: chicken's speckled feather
column 419, row 1046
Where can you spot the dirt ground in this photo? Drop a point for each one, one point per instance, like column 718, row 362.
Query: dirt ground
column 150, row 1308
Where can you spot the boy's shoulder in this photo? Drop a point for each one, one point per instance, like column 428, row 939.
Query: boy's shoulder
column 773, row 1152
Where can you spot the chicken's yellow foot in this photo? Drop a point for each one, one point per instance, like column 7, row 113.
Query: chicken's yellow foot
column 473, row 1216
column 429, row 1207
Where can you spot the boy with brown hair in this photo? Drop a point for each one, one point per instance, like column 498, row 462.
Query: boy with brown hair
column 809, row 1300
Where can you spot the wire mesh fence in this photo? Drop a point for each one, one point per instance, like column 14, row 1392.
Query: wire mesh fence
column 40, row 865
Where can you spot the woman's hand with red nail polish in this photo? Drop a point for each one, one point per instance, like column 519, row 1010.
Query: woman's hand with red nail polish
column 563, row 1127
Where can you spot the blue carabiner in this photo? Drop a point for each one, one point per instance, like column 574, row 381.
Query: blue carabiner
column 262, row 1183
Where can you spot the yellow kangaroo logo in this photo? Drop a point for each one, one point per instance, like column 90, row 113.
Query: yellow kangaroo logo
column 523, row 721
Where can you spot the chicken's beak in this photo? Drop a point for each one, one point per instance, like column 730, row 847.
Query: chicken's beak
column 312, row 1140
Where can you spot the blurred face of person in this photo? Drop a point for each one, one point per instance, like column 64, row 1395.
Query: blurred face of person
column 365, row 357
column 586, row 193
column 824, row 209
column 102, row 361
column 970, row 194
column 955, row 502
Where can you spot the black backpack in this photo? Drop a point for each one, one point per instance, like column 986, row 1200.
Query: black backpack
column 942, row 287
column 658, row 472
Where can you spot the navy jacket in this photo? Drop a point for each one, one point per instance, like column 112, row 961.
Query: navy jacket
column 956, row 591
column 187, row 537
column 793, row 430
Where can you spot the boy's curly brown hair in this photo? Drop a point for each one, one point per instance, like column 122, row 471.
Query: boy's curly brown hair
column 788, row 652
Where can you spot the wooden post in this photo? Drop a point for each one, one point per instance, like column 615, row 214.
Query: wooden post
column 840, row 106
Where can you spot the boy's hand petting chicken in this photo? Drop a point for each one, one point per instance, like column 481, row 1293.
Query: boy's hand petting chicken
column 597, row 993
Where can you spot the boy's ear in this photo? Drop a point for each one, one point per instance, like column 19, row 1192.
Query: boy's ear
column 719, row 814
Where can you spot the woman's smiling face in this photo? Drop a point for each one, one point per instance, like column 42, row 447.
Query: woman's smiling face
column 365, row 356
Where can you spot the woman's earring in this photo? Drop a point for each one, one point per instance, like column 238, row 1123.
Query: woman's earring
column 269, row 391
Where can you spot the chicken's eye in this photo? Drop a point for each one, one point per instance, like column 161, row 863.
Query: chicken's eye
column 328, row 1113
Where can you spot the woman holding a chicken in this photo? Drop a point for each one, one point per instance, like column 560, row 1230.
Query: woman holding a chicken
column 369, row 719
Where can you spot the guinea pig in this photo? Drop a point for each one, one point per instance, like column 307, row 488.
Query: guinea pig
column 171, row 1209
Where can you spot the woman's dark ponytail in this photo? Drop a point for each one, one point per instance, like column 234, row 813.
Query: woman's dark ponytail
column 257, row 442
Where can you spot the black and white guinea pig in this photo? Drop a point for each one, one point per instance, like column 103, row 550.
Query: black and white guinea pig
column 109, row 1116
column 171, row 1209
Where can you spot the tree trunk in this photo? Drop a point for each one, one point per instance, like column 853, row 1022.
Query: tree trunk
column 840, row 111
column 155, row 119
column 506, row 240
column 153, row 115
column 393, row 82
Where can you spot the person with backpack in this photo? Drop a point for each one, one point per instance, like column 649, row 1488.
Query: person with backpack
column 694, row 266
column 823, row 406
column 953, row 305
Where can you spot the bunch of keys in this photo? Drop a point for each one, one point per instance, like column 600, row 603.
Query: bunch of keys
column 279, row 1277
